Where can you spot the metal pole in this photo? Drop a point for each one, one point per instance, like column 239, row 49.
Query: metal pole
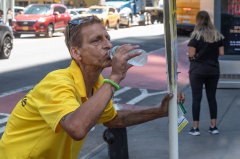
column 4, row 10
column 12, row 8
column 171, row 57
column 173, row 126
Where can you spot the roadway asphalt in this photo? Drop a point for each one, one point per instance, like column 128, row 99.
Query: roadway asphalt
column 151, row 140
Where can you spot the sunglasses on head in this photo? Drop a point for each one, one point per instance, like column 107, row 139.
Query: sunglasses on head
column 76, row 22
column 79, row 20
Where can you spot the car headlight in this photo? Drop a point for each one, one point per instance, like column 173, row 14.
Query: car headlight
column 123, row 15
column 41, row 19
column 100, row 16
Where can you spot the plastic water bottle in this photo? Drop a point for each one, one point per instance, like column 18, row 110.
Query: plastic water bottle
column 136, row 61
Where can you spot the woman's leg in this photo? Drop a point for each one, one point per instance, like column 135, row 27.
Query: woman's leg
column 196, row 82
column 211, row 88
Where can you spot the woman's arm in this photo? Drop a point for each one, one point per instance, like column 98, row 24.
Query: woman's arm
column 221, row 51
column 191, row 51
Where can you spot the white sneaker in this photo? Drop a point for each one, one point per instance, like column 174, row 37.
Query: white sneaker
column 194, row 132
column 213, row 130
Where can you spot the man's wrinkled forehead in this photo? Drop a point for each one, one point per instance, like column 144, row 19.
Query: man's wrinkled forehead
column 94, row 30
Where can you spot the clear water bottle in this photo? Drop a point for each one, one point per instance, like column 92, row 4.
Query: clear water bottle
column 136, row 61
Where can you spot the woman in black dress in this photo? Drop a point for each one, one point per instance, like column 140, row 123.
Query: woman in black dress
column 207, row 42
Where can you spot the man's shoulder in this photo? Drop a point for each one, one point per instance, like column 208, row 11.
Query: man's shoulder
column 57, row 77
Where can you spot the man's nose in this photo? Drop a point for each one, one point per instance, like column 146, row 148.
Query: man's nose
column 108, row 44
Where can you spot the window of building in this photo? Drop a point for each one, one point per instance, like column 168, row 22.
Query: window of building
column 23, row 3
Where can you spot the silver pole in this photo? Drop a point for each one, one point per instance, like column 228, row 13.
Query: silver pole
column 12, row 8
column 4, row 11
column 173, row 127
column 173, row 113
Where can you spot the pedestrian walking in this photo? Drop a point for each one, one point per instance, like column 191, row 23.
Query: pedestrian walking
column 9, row 17
column 1, row 17
column 53, row 120
column 205, row 46
column 1, row 13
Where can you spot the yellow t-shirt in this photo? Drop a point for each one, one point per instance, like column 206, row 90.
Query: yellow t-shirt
column 33, row 129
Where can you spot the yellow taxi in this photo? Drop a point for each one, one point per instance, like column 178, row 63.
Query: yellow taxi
column 109, row 15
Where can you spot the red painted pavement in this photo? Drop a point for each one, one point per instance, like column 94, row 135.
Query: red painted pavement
column 150, row 76
column 153, row 74
column 9, row 102
column 133, row 107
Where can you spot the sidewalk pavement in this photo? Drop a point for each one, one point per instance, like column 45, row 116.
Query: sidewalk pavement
column 151, row 140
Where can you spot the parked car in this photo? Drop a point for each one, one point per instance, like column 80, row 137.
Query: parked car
column 73, row 13
column 17, row 10
column 6, row 40
column 109, row 15
column 81, row 11
column 41, row 19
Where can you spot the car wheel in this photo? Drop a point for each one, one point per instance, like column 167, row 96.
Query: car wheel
column 107, row 25
column 142, row 23
column 152, row 20
column 6, row 48
column 17, row 35
column 129, row 21
column 117, row 26
column 49, row 31
column 148, row 18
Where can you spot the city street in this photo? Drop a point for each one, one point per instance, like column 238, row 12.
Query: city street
column 32, row 58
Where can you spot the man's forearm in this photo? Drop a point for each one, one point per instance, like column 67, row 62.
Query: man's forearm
column 127, row 118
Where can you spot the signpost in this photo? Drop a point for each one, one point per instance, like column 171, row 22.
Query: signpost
column 170, row 30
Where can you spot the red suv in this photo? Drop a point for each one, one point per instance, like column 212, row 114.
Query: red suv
column 41, row 19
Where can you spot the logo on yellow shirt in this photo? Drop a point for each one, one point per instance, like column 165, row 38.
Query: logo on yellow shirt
column 24, row 100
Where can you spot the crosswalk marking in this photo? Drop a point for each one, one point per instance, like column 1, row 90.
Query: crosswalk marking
column 3, row 120
column 122, row 90
column 5, row 114
column 144, row 94
column 16, row 91
column 2, row 129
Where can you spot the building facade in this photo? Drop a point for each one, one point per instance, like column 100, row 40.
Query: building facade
column 24, row 3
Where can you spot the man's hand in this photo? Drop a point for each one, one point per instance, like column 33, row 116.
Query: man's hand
column 163, row 109
column 180, row 97
column 119, row 62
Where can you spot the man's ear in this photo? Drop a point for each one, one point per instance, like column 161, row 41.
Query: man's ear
column 75, row 53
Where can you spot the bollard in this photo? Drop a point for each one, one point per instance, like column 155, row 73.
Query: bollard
column 117, row 142
column 116, row 139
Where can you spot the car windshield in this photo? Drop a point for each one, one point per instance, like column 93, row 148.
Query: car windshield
column 96, row 11
column 115, row 0
column 81, row 11
column 42, row 10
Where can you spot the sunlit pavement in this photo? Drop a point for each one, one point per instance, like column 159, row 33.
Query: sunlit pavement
column 143, row 86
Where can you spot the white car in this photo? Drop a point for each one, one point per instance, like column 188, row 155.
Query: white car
column 18, row 9
column 81, row 11
column 73, row 13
